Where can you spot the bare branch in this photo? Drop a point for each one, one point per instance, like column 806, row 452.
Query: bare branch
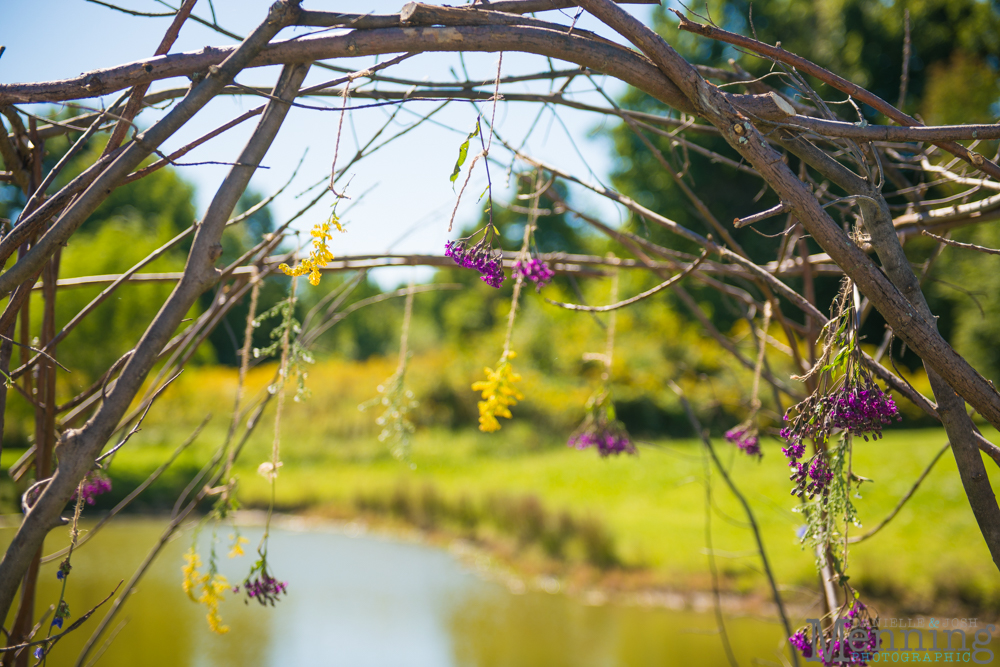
column 638, row 297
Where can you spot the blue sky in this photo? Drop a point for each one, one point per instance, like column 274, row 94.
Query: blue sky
column 401, row 196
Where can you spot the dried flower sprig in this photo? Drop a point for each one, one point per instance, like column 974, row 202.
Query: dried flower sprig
column 846, row 398
column 849, row 641
column 746, row 438
column 498, row 392
column 320, row 255
column 206, row 589
column 535, row 270
column 260, row 585
column 236, row 548
column 601, row 428
column 94, row 484
column 481, row 256
column 397, row 429
column 397, row 400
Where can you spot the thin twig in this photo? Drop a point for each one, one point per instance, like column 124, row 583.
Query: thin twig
column 902, row 501
column 135, row 429
column 958, row 244
column 54, row 638
column 638, row 297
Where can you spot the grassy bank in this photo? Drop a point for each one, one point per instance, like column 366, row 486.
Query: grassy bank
column 642, row 512
column 524, row 490
column 653, row 506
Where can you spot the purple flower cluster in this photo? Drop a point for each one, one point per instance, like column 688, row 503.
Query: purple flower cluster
column 601, row 429
column 608, row 441
column 745, row 437
column 264, row 589
column 94, row 484
column 812, row 477
column 794, row 450
column 859, row 407
column 534, row 270
column 481, row 257
column 862, row 410
column 841, row 643
column 801, row 641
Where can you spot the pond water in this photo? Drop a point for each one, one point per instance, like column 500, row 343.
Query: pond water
column 361, row 600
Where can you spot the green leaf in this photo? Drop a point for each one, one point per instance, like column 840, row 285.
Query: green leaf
column 463, row 152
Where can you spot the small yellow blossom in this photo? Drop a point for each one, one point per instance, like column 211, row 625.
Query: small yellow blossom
column 193, row 579
column 499, row 394
column 320, row 254
column 237, row 547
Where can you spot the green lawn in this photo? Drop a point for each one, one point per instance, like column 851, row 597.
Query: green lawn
column 654, row 504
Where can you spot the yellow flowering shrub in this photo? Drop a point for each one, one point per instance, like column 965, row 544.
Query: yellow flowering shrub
column 320, row 253
column 499, row 394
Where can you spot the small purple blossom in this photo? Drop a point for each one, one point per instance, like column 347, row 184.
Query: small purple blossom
column 57, row 622
column 745, row 437
column 39, row 652
column 94, row 484
column 64, row 569
column 535, row 270
column 482, row 257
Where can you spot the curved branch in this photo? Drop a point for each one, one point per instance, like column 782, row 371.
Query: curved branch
column 611, row 59
column 638, row 297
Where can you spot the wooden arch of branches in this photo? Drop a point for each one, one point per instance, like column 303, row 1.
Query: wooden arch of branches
column 760, row 125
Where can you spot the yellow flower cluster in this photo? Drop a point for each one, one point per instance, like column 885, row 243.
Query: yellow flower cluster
column 320, row 253
column 236, row 549
column 499, row 394
column 211, row 596
column 211, row 588
column 192, row 578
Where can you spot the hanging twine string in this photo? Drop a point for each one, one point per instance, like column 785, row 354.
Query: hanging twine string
column 522, row 257
column 404, row 337
column 754, row 397
column 609, row 348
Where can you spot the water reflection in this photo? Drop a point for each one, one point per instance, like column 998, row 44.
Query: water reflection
column 497, row 629
column 368, row 601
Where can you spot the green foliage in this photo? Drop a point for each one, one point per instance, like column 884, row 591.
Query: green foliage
column 859, row 40
column 463, row 152
column 953, row 77
column 967, row 285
